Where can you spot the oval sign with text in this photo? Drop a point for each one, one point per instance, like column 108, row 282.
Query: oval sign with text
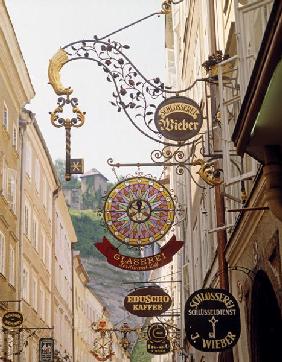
column 147, row 302
column 212, row 320
column 12, row 319
column 178, row 118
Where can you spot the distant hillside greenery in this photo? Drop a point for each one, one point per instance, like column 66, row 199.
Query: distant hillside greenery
column 139, row 352
column 89, row 229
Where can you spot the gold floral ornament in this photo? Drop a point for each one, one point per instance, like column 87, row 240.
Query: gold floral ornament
column 55, row 65
column 59, row 122
column 207, row 172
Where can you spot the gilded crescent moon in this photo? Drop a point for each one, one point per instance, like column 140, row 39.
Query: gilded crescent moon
column 55, row 65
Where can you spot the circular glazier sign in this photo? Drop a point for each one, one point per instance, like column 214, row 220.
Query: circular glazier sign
column 212, row 320
column 139, row 211
column 178, row 118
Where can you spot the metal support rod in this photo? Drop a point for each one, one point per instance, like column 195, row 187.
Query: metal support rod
column 249, row 209
column 221, row 239
column 163, row 281
column 33, row 328
column 68, row 149
column 138, row 164
column 216, row 230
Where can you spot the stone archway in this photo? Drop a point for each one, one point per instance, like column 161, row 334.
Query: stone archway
column 266, row 322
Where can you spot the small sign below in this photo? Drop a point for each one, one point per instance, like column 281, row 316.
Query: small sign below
column 46, row 350
column 12, row 319
column 212, row 320
column 178, row 118
column 76, row 166
column 158, row 342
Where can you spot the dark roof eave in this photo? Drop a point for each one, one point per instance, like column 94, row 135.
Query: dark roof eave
column 268, row 57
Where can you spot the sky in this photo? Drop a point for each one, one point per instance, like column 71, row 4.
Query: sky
column 43, row 26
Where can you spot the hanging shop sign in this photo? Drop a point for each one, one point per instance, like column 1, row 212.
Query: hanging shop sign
column 12, row 319
column 139, row 264
column 103, row 343
column 46, row 350
column 178, row 118
column 158, row 342
column 147, row 302
column 139, row 211
column 212, row 320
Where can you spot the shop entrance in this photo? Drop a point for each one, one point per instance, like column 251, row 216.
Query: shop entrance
column 266, row 322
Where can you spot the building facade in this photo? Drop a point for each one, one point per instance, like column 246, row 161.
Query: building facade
column 223, row 45
column 15, row 91
column 39, row 184
column 88, row 311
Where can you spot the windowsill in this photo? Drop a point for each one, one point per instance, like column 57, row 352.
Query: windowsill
column 26, row 301
column 3, row 197
column 12, row 286
column 6, row 132
column 16, row 152
column 6, row 201
column 2, row 276
column 27, row 237
column 13, row 213
column 28, row 176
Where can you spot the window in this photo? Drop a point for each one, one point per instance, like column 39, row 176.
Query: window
column 5, row 117
column 44, row 192
column 37, row 175
column 25, row 283
column 2, row 254
column 11, row 189
column 34, row 239
column 49, row 204
column 4, row 177
column 34, row 292
column 42, row 244
column 15, row 137
column 27, row 219
column 12, row 266
column 41, row 302
column 48, row 255
column 28, row 159
column 47, row 308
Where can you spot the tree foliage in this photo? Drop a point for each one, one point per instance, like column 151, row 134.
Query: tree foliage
column 89, row 229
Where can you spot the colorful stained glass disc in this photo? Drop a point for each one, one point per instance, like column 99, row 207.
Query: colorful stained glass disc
column 139, row 211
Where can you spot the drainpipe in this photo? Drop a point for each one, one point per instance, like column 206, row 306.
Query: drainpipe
column 272, row 171
column 22, row 127
column 221, row 238
column 72, row 304
column 23, row 122
column 53, row 271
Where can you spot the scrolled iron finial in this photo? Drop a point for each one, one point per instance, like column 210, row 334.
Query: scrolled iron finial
column 166, row 7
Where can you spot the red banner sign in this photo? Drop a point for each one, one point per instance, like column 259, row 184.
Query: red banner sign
column 139, row 264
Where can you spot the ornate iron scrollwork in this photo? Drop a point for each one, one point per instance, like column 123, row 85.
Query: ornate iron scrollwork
column 133, row 93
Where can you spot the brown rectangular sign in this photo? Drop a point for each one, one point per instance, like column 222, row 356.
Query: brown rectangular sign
column 147, row 302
